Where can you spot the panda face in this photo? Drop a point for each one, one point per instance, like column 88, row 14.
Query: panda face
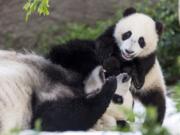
column 136, row 36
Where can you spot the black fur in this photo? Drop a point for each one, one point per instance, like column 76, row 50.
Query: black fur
column 129, row 11
column 76, row 55
column 79, row 113
column 159, row 28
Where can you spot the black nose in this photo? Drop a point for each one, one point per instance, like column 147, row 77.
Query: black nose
column 126, row 78
column 129, row 52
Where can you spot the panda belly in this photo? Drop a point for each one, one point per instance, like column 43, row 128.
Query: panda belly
column 15, row 95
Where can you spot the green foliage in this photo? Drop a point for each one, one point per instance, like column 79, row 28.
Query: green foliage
column 169, row 48
column 38, row 125
column 150, row 127
column 82, row 31
column 40, row 6
column 176, row 95
column 64, row 33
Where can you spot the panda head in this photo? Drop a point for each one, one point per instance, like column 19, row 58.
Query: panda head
column 123, row 86
column 136, row 34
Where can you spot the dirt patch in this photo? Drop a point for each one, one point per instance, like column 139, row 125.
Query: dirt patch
column 16, row 33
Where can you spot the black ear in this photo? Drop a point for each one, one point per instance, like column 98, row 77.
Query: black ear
column 108, row 33
column 129, row 11
column 159, row 28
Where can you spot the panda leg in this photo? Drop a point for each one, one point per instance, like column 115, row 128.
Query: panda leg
column 154, row 98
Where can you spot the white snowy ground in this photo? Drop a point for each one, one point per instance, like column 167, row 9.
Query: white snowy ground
column 172, row 122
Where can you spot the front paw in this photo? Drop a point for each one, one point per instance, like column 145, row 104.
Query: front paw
column 95, row 82
column 137, row 81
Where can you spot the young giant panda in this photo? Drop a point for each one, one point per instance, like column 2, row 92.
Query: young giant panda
column 33, row 87
column 130, row 46
column 121, row 105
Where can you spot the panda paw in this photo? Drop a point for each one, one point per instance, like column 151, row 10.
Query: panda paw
column 123, row 83
column 94, row 82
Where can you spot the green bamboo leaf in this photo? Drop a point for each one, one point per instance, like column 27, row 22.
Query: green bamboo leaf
column 39, row 6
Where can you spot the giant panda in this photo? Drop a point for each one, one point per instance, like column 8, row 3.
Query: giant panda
column 130, row 46
column 119, row 109
column 33, row 87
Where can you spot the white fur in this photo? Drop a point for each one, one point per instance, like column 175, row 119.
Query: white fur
column 15, row 92
column 25, row 74
column 21, row 75
column 140, row 25
column 94, row 83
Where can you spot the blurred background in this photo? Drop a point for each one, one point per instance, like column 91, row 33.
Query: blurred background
column 86, row 19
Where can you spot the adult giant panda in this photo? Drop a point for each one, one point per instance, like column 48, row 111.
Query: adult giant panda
column 130, row 46
column 33, row 87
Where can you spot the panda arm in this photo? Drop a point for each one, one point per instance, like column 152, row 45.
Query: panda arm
column 138, row 76
column 141, row 67
column 112, row 66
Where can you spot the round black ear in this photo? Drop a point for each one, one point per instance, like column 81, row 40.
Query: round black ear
column 129, row 11
column 159, row 28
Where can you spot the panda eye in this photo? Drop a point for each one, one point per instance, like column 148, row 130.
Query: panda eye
column 141, row 42
column 126, row 35
column 117, row 99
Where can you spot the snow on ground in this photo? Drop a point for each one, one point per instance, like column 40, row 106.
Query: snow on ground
column 171, row 122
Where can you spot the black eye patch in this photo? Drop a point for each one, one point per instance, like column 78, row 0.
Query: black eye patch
column 141, row 42
column 117, row 99
column 126, row 35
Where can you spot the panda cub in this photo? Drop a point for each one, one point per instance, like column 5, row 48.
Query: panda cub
column 130, row 46
column 33, row 87
column 122, row 102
